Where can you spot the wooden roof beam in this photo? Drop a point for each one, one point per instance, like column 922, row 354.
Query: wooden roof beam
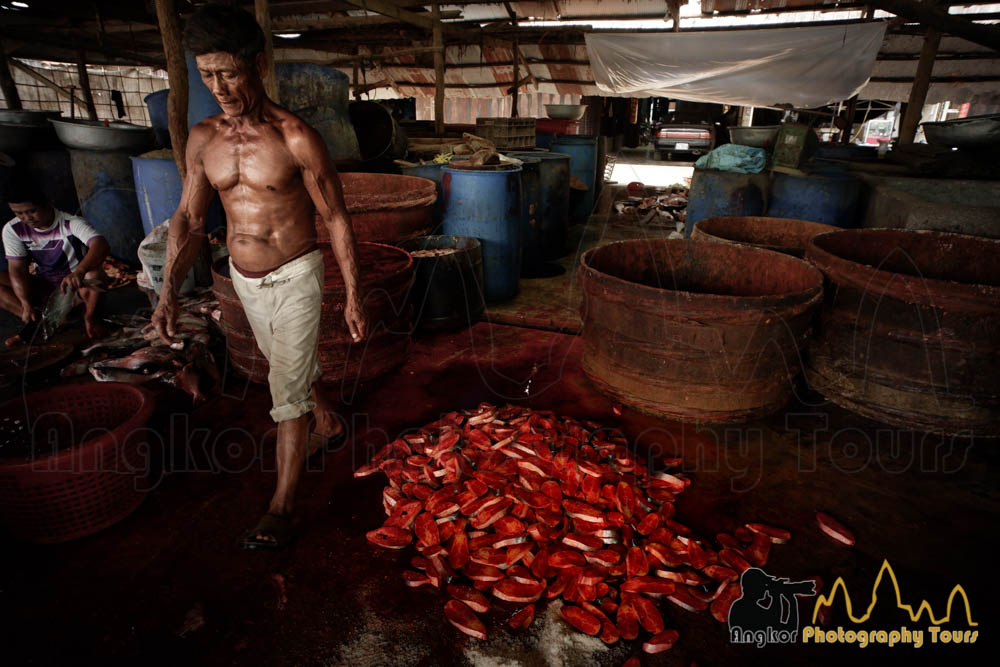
column 422, row 20
column 978, row 33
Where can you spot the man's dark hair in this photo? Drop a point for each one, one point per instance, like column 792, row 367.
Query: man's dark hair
column 22, row 189
column 222, row 29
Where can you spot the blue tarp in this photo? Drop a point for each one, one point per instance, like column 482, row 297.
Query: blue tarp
column 734, row 158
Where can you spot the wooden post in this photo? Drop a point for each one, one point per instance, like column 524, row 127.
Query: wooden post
column 517, row 81
column 177, row 101
column 438, row 36
column 7, row 82
column 921, row 82
column 88, row 95
column 270, row 77
column 852, row 107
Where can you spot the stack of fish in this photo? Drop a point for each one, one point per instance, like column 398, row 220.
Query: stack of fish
column 136, row 355
column 665, row 207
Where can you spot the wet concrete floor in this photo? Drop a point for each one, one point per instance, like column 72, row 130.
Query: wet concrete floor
column 168, row 585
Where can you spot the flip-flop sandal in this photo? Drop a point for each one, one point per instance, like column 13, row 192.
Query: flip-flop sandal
column 320, row 444
column 275, row 526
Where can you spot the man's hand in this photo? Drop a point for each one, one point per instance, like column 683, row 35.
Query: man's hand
column 71, row 282
column 355, row 316
column 28, row 312
column 165, row 318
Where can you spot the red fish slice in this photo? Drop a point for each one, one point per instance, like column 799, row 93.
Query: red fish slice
column 523, row 618
column 835, row 529
column 390, row 537
column 664, row 641
column 581, row 620
column 463, row 618
column 470, row 596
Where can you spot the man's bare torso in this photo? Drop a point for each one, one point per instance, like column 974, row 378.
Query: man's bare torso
column 270, row 215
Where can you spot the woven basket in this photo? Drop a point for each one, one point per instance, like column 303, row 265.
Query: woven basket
column 97, row 477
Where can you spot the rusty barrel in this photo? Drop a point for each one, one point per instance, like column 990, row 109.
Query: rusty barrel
column 386, row 275
column 909, row 332
column 386, row 208
column 781, row 234
column 704, row 332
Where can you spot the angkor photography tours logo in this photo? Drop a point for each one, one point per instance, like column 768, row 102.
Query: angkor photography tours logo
column 767, row 613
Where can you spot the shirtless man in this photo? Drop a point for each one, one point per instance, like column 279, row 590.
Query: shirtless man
column 273, row 172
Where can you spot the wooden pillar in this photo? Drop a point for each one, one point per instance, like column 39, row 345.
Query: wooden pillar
column 7, row 82
column 270, row 77
column 88, row 95
column 177, row 102
column 921, row 82
column 517, row 81
column 852, row 107
column 438, row 36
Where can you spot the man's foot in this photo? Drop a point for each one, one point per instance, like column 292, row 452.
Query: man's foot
column 328, row 431
column 95, row 330
column 272, row 532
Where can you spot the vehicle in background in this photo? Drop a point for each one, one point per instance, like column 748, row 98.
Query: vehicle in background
column 687, row 128
column 876, row 131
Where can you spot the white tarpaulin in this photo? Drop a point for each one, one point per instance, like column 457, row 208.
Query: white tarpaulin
column 801, row 67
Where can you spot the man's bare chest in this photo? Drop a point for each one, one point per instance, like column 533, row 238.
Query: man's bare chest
column 259, row 165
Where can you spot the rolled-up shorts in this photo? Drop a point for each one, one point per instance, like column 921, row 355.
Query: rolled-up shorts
column 283, row 308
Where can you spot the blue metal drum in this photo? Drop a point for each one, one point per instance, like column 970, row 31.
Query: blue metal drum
column 156, row 103
column 319, row 96
column 158, row 188
column 830, row 198
column 553, row 221
column 486, row 204
column 583, row 164
column 723, row 194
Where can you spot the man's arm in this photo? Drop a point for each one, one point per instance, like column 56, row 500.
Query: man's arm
column 21, row 284
column 321, row 181
column 97, row 251
column 186, row 233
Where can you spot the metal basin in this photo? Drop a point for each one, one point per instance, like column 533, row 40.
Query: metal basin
column 93, row 135
column 27, row 117
column 909, row 329
column 565, row 111
column 974, row 132
column 386, row 207
column 701, row 332
column 758, row 137
column 781, row 234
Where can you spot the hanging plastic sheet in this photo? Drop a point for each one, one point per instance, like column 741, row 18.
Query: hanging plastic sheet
column 784, row 68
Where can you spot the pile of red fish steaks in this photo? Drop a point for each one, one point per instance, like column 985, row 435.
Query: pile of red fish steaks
column 526, row 505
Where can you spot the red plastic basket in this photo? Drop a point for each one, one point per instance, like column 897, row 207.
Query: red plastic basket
column 83, row 488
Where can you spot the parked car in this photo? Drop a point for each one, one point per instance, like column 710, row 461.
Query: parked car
column 688, row 129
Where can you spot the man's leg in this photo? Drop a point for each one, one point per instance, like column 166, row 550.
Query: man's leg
column 293, row 436
column 8, row 300
column 327, row 424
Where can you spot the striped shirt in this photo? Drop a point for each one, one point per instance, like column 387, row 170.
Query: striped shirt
column 56, row 250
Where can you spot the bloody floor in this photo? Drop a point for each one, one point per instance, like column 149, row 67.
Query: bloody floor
column 168, row 585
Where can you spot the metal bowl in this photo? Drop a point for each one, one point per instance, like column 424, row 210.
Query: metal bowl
column 15, row 138
column 758, row 137
column 27, row 117
column 93, row 135
column 973, row 132
column 565, row 111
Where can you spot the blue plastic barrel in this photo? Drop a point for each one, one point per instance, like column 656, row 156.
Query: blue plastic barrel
column 156, row 103
column 106, row 189
column 158, row 188
column 319, row 96
column 432, row 172
column 583, row 164
column 554, row 198
column 723, row 194
column 201, row 104
column 830, row 198
column 486, row 204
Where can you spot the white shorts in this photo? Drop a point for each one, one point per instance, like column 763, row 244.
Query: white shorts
column 283, row 308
